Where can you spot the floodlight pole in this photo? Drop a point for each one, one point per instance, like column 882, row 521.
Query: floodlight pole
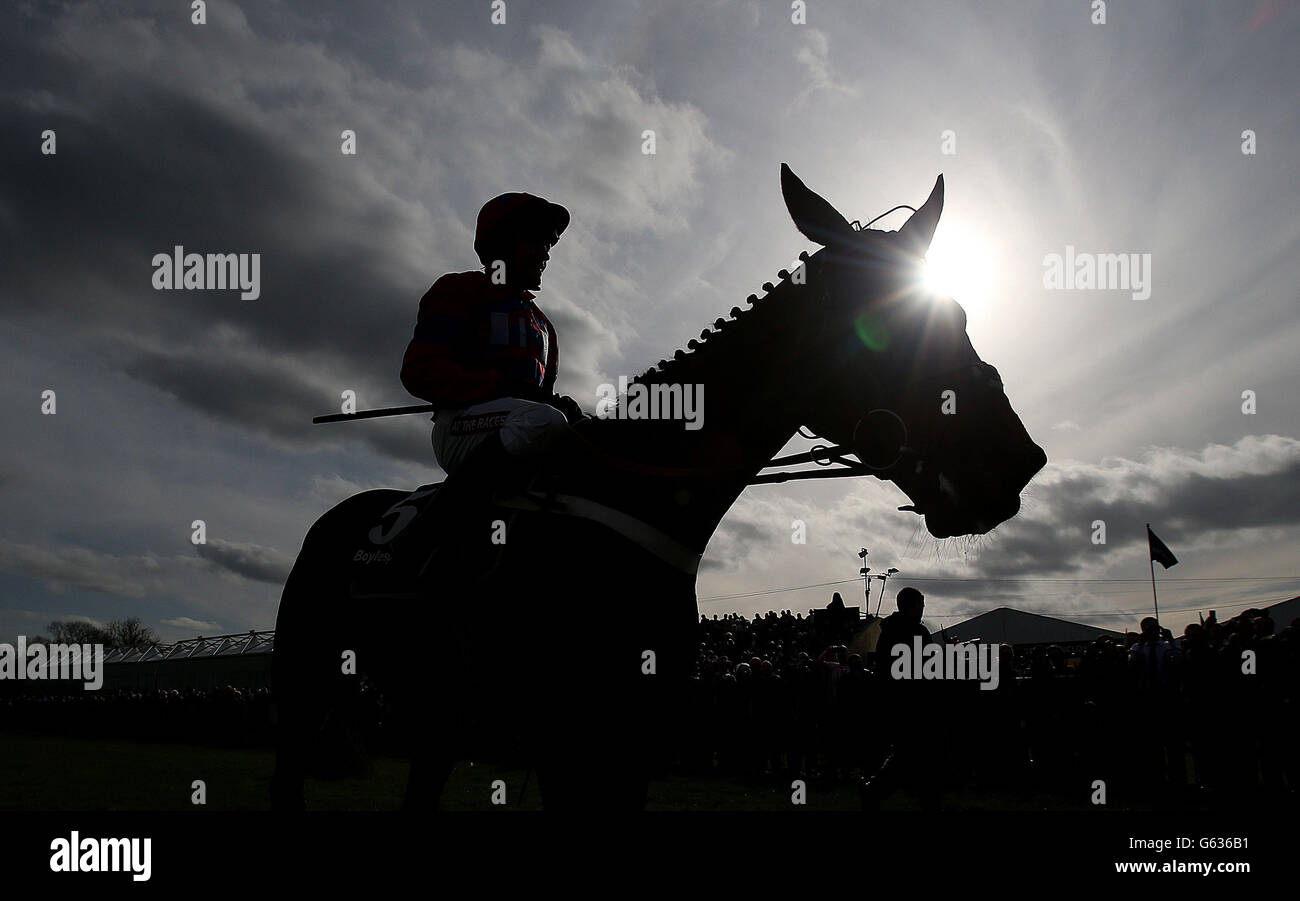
column 866, row 578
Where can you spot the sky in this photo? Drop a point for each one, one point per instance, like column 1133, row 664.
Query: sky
column 1051, row 131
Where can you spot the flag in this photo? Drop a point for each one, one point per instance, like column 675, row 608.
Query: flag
column 1160, row 553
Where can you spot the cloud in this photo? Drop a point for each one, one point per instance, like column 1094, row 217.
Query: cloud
column 537, row 113
column 216, row 139
column 262, row 564
column 1217, row 498
column 333, row 489
column 74, row 567
column 1225, row 510
column 1252, row 484
column 226, row 138
column 813, row 53
column 735, row 540
column 230, row 379
column 157, row 589
column 77, row 618
column 193, row 625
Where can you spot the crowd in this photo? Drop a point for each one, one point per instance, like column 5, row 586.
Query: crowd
column 782, row 695
column 1212, row 711
column 225, row 716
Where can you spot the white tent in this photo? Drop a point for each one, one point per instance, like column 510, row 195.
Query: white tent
column 1283, row 613
column 1017, row 627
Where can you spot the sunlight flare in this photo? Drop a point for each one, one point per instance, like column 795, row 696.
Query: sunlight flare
column 959, row 265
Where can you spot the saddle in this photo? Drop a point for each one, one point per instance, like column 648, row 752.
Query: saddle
column 412, row 547
column 409, row 550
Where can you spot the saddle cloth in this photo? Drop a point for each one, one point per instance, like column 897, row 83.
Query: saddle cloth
column 397, row 557
column 391, row 555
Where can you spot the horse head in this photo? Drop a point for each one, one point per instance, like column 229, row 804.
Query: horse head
column 897, row 380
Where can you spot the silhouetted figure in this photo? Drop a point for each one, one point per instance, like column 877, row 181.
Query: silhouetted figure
column 486, row 356
column 853, row 706
column 1199, row 689
column 1154, row 667
column 907, row 724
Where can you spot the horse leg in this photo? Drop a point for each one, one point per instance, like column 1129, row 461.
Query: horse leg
column 616, row 700
column 303, row 675
column 299, row 713
column 592, row 770
column 431, row 761
column 289, row 700
column 431, row 766
column 596, row 751
column 299, row 716
column 436, row 728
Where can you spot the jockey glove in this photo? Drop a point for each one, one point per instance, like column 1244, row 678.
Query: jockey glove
column 568, row 406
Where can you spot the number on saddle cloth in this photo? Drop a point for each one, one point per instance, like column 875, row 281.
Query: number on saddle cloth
column 391, row 553
column 401, row 555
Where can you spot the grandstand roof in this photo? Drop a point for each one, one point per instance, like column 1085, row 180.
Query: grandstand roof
column 246, row 643
column 1006, row 624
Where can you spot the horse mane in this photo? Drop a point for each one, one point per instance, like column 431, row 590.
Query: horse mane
column 712, row 359
column 702, row 357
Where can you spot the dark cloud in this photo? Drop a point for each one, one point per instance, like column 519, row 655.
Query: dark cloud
column 152, row 158
column 262, row 564
column 79, row 567
column 329, row 310
column 1184, row 495
column 272, row 396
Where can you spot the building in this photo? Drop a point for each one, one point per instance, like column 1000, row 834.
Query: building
column 1283, row 613
column 1006, row 625
column 243, row 661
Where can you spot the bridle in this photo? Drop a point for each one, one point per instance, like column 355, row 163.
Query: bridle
column 835, row 457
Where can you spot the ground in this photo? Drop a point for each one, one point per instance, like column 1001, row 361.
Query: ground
column 45, row 773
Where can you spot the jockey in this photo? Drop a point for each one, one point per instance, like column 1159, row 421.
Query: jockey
column 484, row 354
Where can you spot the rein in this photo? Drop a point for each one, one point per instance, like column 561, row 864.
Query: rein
column 820, row 454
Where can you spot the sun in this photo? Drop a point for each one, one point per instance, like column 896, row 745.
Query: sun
column 959, row 265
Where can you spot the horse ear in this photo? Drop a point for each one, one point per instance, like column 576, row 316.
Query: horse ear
column 919, row 229
column 812, row 215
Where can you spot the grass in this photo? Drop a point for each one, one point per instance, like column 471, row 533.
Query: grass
column 47, row 773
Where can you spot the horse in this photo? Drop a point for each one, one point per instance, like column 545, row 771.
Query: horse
column 577, row 640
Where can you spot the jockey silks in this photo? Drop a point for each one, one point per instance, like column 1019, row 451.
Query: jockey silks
column 475, row 341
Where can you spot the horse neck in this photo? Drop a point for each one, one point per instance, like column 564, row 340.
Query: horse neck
column 748, row 416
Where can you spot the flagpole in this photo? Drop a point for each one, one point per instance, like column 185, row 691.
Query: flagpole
column 1154, row 602
column 1151, row 560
